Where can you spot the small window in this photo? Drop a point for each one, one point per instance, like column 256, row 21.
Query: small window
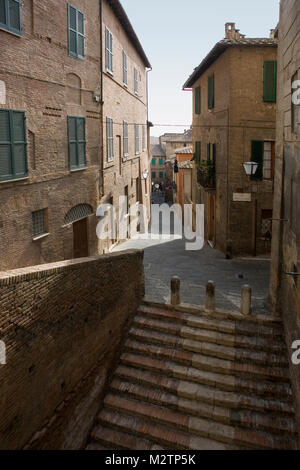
column 269, row 159
column 13, row 154
column 270, row 81
column 153, row 163
column 125, row 138
column 76, row 33
column 161, row 175
column 125, row 81
column 109, row 50
column 10, row 16
column 211, row 92
column 109, row 139
column 136, row 83
column 161, row 161
column 137, row 139
column 153, row 175
column 77, row 142
column 144, row 138
column 198, row 100
column 39, row 223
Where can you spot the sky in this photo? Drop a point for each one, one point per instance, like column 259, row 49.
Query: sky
column 176, row 35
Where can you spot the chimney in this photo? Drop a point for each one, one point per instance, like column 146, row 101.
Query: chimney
column 231, row 32
column 272, row 33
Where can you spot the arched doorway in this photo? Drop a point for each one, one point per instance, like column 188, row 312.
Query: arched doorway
column 78, row 217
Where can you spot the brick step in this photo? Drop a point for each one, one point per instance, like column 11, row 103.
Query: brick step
column 198, row 426
column 243, row 418
column 204, row 393
column 169, row 438
column 224, row 382
column 209, row 322
column 241, row 355
column 205, row 362
column 117, row 440
column 215, row 337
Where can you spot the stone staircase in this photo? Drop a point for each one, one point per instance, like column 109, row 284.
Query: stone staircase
column 188, row 379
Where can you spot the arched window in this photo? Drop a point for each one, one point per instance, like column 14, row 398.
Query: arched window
column 78, row 213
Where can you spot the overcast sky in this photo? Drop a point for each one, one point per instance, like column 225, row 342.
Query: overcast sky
column 176, row 35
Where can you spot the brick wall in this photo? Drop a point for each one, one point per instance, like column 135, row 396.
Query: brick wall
column 62, row 325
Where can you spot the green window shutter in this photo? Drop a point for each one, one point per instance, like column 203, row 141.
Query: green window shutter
column 198, row 100
column 153, row 175
column 208, row 151
column 214, row 155
column 13, row 155
column 161, row 175
column 77, row 142
column 270, row 81
column 153, row 163
column 76, row 32
column 161, row 161
column 197, row 157
column 257, row 155
column 211, row 92
column 10, row 16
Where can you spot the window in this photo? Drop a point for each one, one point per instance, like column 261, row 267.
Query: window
column 153, row 175
column 295, row 106
column 208, row 151
column 153, row 163
column 136, row 83
column 10, row 16
column 77, row 142
column 109, row 51
column 161, row 175
column 211, row 92
column 109, row 139
column 197, row 155
column 39, row 223
column 270, row 81
column 161, row 161
column 137, row 139
column 198, row 100
column 144, row 138
column 125, row 138
column 76, row 33
column 13, row 155
column 263, row 153
column 269, row 158
column 125, row 69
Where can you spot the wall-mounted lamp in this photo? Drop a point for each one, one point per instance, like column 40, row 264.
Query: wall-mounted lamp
column 250, row 168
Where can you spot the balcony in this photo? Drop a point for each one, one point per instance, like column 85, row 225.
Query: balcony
column 206, row 174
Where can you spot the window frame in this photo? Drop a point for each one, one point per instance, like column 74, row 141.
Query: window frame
column 137, row 139
column 6, row 26
column 125, row 70
column 136, row 81
column 125, row 139
column 109, row 51
column 109, row 140
column 143, row 138
column 198, row 100
column 11, row 143
column 38, row 235
column 76, row 31
column 77, row 142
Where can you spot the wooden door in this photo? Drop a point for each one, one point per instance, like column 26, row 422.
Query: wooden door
column 80, row 239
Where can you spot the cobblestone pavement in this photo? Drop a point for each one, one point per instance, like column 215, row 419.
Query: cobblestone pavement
column 195, row 268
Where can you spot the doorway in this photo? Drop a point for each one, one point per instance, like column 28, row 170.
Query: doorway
column 80, row 239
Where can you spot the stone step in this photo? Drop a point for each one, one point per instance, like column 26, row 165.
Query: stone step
column 204, row 393
column 264, row 388
column 169, row 438
column 116, row 440
column 241, row 355
column 198, row 426
column 244, row 418
column 214, row 337
column 205, row 362
column 210, row 322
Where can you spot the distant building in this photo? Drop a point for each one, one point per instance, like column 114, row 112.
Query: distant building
column 158, row 164
column 171, row 142
column 234, row 112
column 183, row 178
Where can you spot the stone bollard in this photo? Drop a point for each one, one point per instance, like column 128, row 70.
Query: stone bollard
column 246, row 300
column 175, row 290
column 210, row 302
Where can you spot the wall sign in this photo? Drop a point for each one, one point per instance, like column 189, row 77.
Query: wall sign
column 242, row 197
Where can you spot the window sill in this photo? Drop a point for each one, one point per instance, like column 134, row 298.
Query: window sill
column 40, row 237
column 75, row 170
column 14, row 180
column 110, row 72
column 7, row 30
column 76, row 56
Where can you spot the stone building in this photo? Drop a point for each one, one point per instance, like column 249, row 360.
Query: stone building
column 234, row 94
column 173, row 141
column 183, row 178
column 158, row 164
column 51, row 131
column 126, row 169
column 285, row 288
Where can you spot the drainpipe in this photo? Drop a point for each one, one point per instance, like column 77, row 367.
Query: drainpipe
column 101, row 100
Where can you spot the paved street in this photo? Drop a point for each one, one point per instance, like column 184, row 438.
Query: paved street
column 195, row 268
